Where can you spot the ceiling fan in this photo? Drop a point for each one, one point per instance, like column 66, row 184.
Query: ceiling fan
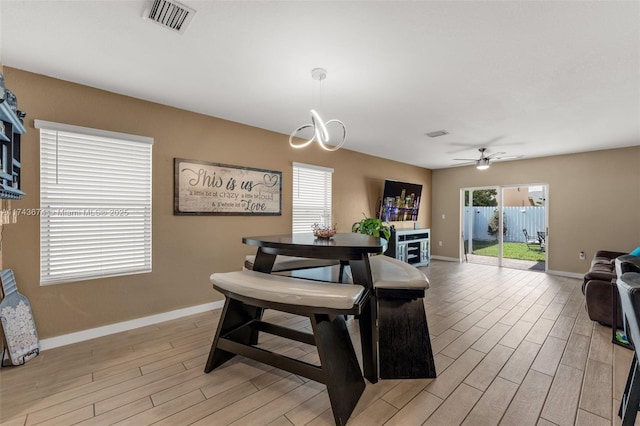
column 484, row 161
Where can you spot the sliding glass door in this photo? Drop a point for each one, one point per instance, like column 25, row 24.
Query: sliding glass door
column 481, row 225
column 505, row 226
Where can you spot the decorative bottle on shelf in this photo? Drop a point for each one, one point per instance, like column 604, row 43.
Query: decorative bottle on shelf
column 11, row 100
column 2, row 88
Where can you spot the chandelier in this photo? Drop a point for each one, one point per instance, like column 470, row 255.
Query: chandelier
column 320, row 128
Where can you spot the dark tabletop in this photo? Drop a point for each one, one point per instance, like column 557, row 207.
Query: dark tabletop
column 343, row 246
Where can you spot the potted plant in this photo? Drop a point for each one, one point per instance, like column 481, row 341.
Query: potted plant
column 494, row 224
column 372, row 226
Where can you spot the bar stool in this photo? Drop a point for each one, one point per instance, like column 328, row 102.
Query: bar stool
column 629, row 290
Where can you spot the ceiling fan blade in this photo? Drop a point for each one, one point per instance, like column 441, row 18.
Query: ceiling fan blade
column 468, row 163
column 491, row 156
column 464, row 159
column 464, row 147
column 509, row 157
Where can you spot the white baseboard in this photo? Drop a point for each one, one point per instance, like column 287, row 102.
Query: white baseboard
column 80, row 336
column 446, row 259
column 566, row 274
column 550, row 272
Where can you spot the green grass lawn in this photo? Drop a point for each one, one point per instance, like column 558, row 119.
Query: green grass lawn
column 510, row 250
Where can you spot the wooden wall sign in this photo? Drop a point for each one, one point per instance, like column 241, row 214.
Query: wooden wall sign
column 203, row 188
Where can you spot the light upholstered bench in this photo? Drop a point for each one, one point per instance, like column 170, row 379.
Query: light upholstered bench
column 403, row 334
column 248, row 293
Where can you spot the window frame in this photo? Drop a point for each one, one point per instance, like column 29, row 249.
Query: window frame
column 93, row 224
column 305, row 208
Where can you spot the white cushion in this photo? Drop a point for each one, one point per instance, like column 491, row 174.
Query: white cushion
column 292, row 291
column 288, row 263
column 388, row 272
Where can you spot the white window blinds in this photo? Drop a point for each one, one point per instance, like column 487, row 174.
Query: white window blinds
column 95, row 203
column 311, row 197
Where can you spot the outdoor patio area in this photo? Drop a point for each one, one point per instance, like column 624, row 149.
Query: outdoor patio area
column 530, row 265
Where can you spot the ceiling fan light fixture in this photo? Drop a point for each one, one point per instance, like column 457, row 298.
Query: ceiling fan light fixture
column 482, row 164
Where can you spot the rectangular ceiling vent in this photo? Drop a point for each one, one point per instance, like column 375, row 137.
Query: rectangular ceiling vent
column 437, row 133
column 170, row 14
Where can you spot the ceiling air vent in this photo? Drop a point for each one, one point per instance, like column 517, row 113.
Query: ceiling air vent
column 170, row 14
column 437, row 133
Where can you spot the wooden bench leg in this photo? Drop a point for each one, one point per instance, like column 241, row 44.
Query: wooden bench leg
column 361, row 271
column 340, row 365
column 402, row 323
column 368, row 341
column 235, row 314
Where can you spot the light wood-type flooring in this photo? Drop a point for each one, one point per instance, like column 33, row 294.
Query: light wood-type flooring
column 512, row 347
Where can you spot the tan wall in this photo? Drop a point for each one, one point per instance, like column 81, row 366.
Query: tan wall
column 593, row 202
column 516, row 197
column 186, row 250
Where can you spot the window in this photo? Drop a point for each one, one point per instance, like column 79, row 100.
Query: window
column 311, row 197
column 95, row 203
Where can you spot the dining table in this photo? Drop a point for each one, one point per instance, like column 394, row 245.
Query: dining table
column 353, row 248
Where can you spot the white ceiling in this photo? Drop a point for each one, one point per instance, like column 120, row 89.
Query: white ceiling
column 534, row 78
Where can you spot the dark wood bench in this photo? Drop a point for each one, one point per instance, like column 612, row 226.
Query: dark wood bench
column 248, row 293
column 403, row 334
column 295, row 264
column 292, row 263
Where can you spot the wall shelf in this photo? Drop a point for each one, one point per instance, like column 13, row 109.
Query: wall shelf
column 7, row 115
column 10, row 164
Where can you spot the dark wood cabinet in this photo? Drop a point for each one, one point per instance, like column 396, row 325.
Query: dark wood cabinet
column 10, row 166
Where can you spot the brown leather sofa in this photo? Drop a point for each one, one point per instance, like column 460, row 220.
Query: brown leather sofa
column 597, row 285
